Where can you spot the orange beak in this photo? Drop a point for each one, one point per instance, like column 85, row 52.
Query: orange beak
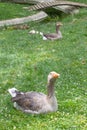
column 56, row 75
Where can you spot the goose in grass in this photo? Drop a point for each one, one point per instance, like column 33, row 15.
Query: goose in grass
column 36, row 102
column 54, row 36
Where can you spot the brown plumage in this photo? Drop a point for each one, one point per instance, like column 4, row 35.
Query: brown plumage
column 54, row 36
column 35, row 102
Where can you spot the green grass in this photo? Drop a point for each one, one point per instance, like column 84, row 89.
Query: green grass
column 26, row 60
column 9, row 11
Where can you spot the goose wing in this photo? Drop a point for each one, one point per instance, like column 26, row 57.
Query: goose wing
column 30, row 100
column 53, row 35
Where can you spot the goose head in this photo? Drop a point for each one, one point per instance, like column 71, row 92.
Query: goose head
column 58, row 24
column 52, row 76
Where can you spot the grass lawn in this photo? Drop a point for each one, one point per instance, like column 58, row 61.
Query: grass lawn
column 26, row 60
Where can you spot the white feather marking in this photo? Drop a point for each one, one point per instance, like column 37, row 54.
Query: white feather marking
column 12, row 91
column 32, row 32
column 41, row 33
column 44, row 38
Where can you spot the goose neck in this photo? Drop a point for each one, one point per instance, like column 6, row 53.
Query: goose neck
column 57, row 29
column 50, row 89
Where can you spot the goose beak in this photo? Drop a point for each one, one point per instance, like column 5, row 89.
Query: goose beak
column 56, row 75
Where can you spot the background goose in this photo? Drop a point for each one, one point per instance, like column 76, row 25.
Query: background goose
column 35, row 102
column 54, row 36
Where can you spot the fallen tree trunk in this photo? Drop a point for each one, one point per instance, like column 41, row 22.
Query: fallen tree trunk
column 61, row 5
column 31, row 1
column 55, row 3
column 67, row 9
column 36, row 17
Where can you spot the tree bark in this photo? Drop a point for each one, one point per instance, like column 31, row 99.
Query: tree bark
column 27, row 1
column 31, row 1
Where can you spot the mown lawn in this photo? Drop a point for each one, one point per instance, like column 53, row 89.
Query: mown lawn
column 26, row 60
